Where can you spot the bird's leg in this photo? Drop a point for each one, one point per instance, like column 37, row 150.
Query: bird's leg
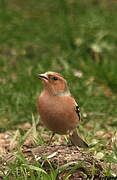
column 51, row 138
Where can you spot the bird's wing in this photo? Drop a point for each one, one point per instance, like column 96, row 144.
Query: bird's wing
column 75, row 105
column 77, row 109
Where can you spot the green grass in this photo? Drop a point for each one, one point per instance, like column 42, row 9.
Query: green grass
column 67, row 37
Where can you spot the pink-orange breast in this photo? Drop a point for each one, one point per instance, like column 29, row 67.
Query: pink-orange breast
column 58, row 113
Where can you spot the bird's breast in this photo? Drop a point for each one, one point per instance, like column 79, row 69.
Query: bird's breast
column 57, row 113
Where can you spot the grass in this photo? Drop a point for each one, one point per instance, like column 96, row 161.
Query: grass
column 69, row 37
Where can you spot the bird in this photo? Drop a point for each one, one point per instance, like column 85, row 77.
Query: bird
column 57, row 108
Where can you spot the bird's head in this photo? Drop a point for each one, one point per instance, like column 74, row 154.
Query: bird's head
column 54, row 83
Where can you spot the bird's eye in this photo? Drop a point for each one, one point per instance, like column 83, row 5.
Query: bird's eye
column 55, row 78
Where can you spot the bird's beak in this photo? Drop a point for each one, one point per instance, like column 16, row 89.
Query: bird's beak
column 42, row 76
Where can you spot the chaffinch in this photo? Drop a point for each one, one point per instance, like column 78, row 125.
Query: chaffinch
column 57, row 108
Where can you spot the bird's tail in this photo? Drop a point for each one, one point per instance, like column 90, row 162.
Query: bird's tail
column 77, row 141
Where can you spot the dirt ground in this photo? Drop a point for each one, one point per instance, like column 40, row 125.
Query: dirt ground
column 58, row 155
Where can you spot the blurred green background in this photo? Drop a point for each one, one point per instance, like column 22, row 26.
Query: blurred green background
column 77, row 38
